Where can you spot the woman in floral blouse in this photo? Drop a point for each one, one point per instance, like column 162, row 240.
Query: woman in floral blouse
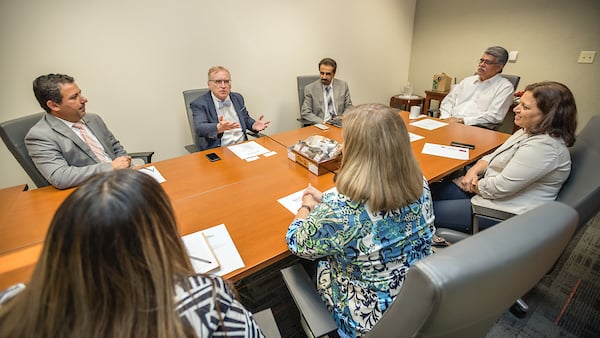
column 376, row 225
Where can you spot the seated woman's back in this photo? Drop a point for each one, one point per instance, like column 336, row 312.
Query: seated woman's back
column 113, row 265
column 376, row 225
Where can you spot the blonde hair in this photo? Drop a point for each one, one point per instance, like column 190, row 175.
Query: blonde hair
column 378, row 165
column 110, row 263
column 215, row 69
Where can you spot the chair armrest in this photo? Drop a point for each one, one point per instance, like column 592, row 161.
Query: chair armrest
column 318, row 319
column 192, row 148
column 491, row 213
column 254, row 133
column 452, row 236
column 145, row 156
column 305, row 122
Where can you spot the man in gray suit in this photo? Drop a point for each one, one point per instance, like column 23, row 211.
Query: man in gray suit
column 66, row 145
column 327, row 97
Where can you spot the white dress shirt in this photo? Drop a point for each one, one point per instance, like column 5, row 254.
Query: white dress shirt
column 483, row 103
column 232, row 136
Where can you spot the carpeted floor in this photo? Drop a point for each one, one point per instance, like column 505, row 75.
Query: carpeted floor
column 566, row 303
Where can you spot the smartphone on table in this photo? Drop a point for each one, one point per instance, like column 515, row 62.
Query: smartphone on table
column 213, row 157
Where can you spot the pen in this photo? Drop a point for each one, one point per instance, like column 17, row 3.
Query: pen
column 201, row 260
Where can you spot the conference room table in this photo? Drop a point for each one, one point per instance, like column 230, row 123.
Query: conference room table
column 238, row 193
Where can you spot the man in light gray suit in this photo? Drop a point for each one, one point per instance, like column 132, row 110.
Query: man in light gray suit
column 66, row 145
column 319, row 106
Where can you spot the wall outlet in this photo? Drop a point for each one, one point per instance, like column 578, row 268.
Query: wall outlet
column 586, row 56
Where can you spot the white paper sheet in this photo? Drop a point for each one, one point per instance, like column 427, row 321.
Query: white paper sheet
column 415, row 137
column 446, row 151
column 201, row 253
column 428, row 124
column 293, row 201
column 223, row 247
column 248, row 149
column 154, row 173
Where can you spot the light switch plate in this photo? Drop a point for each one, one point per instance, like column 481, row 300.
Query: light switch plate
column 512, row 55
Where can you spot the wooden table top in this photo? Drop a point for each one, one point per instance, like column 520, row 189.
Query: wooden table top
column 242, row 195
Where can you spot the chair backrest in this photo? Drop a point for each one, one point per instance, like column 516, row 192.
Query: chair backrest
column 302, row 81
column 582, row 189
column 514, row 79
column 462, row 290
column 13, row 134
column 508, row 123
column 188, row 97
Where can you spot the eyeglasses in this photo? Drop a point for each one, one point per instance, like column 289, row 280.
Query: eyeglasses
column 487, row 62
column 220, row 82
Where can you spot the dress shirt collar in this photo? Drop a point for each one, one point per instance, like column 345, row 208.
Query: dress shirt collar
column 219, row 104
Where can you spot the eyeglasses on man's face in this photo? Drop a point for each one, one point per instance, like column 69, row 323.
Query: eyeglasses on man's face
column 221, row 82
column 487, row 62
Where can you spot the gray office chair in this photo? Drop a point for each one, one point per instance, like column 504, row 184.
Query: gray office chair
column 461, row 290
column 509, row 120
column 188, row 97
column 302, row 81
column 581, row 191
column 13, row 134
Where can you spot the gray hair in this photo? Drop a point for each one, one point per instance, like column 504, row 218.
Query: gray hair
column 499, row 53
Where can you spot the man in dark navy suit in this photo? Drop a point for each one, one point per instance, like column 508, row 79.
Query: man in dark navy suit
column 220, row 115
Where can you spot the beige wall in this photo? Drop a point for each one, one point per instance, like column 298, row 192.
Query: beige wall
column 449, row 36
column 133, row 58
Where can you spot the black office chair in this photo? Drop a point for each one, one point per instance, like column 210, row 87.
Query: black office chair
column 13, row 134
column 188, row 97
column 461, row 290
column 302, row 81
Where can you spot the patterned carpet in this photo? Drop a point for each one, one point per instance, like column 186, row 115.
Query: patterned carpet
column 566, row 303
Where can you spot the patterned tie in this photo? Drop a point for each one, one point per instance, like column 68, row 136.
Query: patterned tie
column 225, row 103
column 329, row 96
column 94, row 145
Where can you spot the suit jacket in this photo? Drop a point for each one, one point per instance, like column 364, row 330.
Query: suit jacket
column 206, row 119
column 313, row 107
column 62, row 157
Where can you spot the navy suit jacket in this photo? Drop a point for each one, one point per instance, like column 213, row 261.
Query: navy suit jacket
column 206, row 119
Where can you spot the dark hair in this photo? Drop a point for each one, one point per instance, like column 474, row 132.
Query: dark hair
column 328, row 62
column 557, row 104
column 45, row 88
column 111, row 259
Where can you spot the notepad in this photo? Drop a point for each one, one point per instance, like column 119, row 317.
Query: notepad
column 201, row 253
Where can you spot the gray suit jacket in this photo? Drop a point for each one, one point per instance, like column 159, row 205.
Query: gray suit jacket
column 64, row 158
column 314, row 104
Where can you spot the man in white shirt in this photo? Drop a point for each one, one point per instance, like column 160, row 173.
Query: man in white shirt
column 484, row 99
column 220, row 115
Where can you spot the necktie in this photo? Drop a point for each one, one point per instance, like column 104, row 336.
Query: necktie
column 329, row 96
column 94, row 145
column 225, row 103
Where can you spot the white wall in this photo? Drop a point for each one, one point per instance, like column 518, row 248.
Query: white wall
column 450, row 36
column 133, row 58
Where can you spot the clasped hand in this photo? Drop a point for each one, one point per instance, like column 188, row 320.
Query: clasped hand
column 311, row 197
column 468, row 183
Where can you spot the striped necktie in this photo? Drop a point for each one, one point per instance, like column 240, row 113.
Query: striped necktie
column 93, row 144
column 330, row 106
